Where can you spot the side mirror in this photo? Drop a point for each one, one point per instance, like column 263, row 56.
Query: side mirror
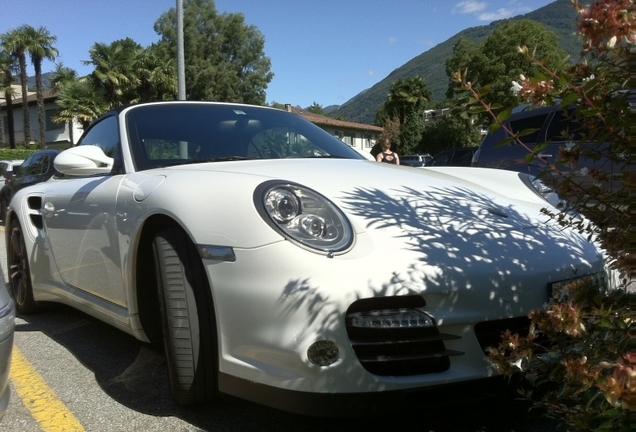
column 83, row 160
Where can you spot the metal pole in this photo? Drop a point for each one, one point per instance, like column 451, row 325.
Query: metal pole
column 180, row 55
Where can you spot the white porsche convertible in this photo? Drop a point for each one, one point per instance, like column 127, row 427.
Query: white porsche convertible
column 275, row 264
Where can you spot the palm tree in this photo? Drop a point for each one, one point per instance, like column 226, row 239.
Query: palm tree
column 155, row 77
column 7, row 67
column 80, row 100
column 15, row 42
column 40, row 47
column 112, row 67
column 62, row 77
column 407, row 94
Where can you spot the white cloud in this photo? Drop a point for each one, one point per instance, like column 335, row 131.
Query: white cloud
column 469, row 6
column 479, row 9
column 392, row 40
column 370, row 73
column 502, row 13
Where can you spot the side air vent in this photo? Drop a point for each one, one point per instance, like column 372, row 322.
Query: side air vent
column 393, row 336
column 34, row 204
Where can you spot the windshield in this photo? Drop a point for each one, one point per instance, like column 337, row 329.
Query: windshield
column 181, row 133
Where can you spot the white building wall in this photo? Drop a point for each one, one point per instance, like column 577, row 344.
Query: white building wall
column 356, row 139
column 58, row 137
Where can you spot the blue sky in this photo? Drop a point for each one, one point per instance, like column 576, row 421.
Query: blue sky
column 323, row 51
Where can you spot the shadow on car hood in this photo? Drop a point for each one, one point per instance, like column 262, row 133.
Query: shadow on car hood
column 459, row 198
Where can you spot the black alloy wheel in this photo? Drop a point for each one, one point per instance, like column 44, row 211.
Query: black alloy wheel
column 21, row 288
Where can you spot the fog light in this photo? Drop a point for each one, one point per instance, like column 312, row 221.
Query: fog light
column 390, row 318
column 323, row 353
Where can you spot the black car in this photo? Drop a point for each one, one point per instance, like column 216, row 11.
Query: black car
column 460, row 156
column 550, row 124
column 38, row 167
column 415, row 160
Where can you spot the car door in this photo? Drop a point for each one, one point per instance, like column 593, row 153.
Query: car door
column 81, row 223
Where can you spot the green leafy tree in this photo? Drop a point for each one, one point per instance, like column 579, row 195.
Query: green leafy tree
column 496, row 63
column 224, row 57
column 411, row 131
column 40, row 47
column 316, row 108
column 454, row 130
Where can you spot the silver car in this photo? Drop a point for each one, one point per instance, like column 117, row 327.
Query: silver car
column 7, row 326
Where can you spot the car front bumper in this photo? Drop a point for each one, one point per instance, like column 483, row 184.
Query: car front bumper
column 272, row 303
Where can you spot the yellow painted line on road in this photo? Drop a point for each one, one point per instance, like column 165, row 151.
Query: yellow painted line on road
column 41, row 401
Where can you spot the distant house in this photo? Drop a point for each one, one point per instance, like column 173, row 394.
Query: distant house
column 360, row 136
column 57, row 134
column 430, row 115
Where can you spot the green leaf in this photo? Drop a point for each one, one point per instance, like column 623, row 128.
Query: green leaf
column 527, row 132
column 540, row 147
column 504, row 141
column 494, row 127
column 476, row 109
column 529, row 157
column 484, row 90
column 564, row 79
column 503, row 115
column 569, row 99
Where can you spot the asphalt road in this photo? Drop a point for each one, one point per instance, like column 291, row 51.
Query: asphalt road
column 108, row 381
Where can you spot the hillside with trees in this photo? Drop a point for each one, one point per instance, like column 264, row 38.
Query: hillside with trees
column 559, row 17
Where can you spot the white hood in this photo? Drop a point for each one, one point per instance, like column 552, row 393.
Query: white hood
column 376, row 195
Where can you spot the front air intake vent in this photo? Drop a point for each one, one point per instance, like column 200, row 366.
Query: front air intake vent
column 34, row 204
column 393, row 336
column 489, row 332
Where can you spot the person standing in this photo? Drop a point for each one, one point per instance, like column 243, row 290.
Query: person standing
column 388, row 156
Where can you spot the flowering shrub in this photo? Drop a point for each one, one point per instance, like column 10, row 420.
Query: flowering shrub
column 579, row 359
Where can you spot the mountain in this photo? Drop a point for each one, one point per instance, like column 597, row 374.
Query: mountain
column 559, row 16
column 46, row 77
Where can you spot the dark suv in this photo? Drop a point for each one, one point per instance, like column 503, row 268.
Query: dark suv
column 549, row 124
column 38, row 167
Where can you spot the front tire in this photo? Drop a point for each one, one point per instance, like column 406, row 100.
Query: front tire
column 21, row 288
column 187, row 315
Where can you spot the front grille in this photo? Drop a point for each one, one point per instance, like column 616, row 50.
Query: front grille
column 489, row 332
column 398, row 351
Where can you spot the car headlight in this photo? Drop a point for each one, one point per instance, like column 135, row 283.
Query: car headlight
column 304, row 217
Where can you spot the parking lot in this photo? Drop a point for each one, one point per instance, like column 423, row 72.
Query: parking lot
column 89, row 376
